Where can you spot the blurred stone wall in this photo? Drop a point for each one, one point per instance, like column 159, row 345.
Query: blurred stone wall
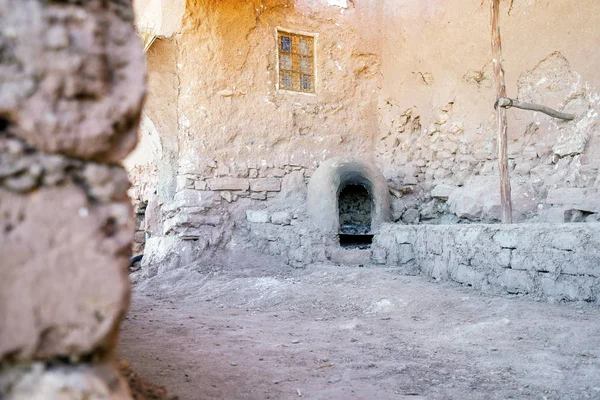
column 72, row 84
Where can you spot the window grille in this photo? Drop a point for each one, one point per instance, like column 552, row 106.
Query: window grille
column 296, row 62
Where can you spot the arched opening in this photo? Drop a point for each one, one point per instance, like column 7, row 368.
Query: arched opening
column 348, row 198
column 355, row 206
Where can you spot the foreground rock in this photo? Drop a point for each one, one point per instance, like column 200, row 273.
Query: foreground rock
column 72, row 77
column 63, row 281
column 71, row 91
column 74, row 382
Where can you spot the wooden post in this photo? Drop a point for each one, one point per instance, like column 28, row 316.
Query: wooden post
column 505, row 197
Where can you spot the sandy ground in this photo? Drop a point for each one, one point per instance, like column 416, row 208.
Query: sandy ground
column 328, row 332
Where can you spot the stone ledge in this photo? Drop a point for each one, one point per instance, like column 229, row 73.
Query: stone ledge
column 560, row 262
column 228, row 184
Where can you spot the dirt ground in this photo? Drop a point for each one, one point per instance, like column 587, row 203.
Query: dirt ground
column 329, row 332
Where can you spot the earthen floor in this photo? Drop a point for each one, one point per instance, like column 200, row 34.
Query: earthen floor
column 328, row 332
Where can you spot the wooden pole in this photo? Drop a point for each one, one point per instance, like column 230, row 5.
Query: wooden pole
column 505, row 198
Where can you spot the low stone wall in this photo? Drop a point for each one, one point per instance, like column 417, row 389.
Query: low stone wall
column 557, row 262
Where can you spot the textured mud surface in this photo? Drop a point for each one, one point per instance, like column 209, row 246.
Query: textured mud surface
column 213, row 332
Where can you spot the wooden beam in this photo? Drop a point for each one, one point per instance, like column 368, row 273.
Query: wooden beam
column 508, row 103
column 505, row 197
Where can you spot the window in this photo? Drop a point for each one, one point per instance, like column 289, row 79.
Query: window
column 296, row 55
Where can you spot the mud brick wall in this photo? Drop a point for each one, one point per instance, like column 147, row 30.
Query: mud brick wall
column 558, row 262
column 71, row 90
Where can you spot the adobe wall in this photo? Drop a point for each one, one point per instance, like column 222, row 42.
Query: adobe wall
column 407, row 85
column 71, row 93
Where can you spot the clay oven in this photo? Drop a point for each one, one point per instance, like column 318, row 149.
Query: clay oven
column 348, row 198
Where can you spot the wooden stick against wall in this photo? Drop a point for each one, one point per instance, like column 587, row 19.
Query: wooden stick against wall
column 505, row 197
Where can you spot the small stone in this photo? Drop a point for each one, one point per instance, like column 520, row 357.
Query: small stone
column 228, row 184
column 442, row 191
column 225, row 93
column 258, row 196
column 233, row 364
column 265, row 185
column 281, row 218
column 257, row 216
column 200, row 185
column 228, row 196
column 295, row 341
column 411, row 216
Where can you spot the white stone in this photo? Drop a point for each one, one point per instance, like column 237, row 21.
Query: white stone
column 442, row 191
column 257, row 216
column 281, row 218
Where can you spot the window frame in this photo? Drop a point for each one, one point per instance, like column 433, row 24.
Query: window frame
column 314, row 37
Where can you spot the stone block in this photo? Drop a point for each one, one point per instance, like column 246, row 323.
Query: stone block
column 567, row 196
column 257, row 216
column 349, row 257
column 379, row 256
column 568, row 288
column 190, row 198
column 281, row 218
column 200, row 185
column 405, row 253
column 553, row 215
column 442, row 191
column 182, row 223
column 265, row 185
column 258, row 195
column 566, row 240
column 513, row 281
column 404, row 236
column 277, row 172
column 411, row 216
column 64, row 293
column 507, row 239
column 479, row 199
column 584, row 261
column 84, row 101
column 228, row 183
column 503, row 257
column 467, row 276
column 293, row 183
column 228, row 196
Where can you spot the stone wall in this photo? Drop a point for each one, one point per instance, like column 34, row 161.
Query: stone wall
column 558, row 262
column 437, row 131
column 71, row 92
